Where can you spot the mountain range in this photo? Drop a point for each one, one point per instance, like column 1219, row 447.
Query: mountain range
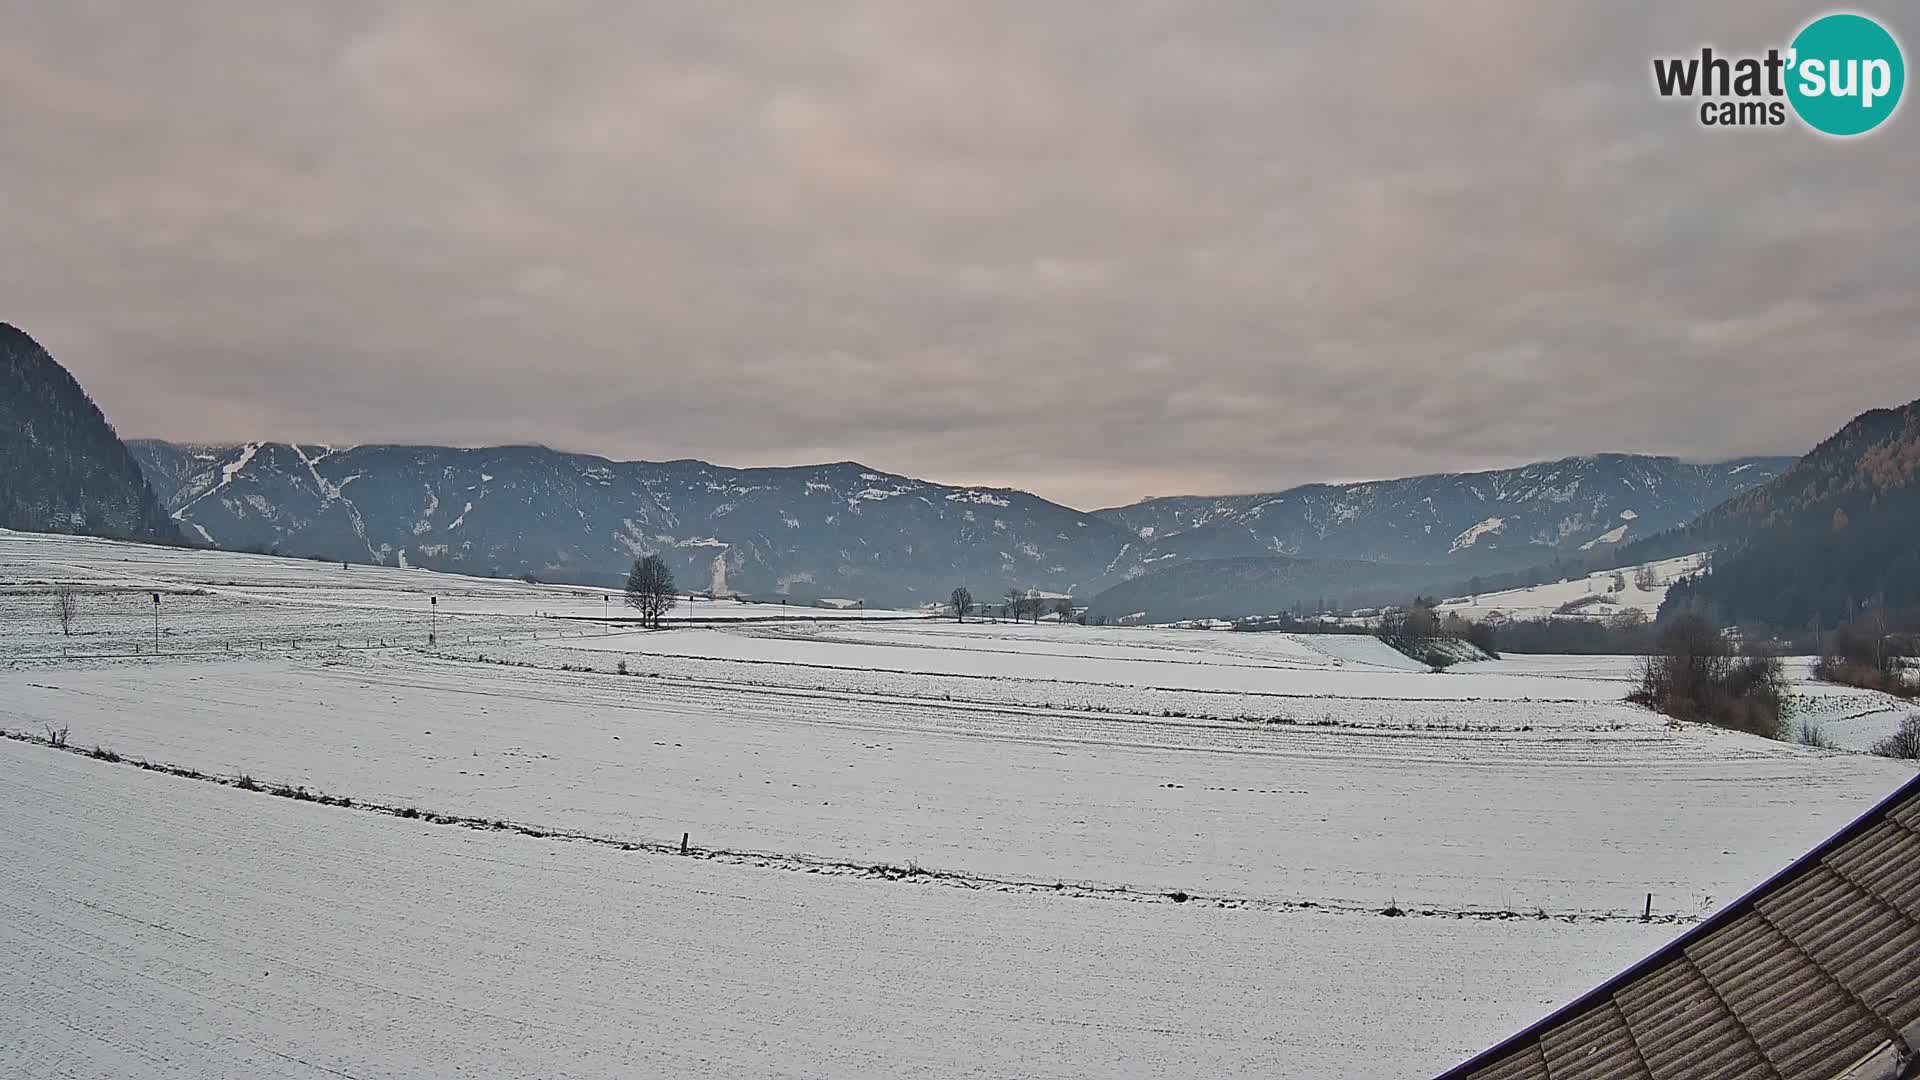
column 1577, row 503
column 837, row 530
column 1358, row 544
column 846, row 530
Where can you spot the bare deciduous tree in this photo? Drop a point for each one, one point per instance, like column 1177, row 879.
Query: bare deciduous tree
column 67, row 606
column 1645, row 579
column 1063, row 608
column 1877, row 627
column 650, row 589
column 1032, row 605
column 962, row 602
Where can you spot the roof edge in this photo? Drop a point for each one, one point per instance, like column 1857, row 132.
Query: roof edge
column 1605, row 991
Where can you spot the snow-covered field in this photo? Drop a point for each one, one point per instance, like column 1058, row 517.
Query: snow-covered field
column 1851, row 718
column 159, row 927
column 914, row 847
column 224, row 601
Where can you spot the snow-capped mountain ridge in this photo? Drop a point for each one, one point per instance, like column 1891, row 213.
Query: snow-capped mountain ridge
column 1531, row 512
column 836, row 529
column 846, row 529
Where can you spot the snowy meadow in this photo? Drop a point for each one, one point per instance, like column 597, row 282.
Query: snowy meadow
column 408, row 824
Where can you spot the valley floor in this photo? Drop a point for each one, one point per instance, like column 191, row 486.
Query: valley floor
column 913, row 848
column 161, row 927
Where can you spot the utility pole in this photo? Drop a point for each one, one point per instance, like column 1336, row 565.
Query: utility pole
column 156, row 624
column 606, row 614
column 433, row 621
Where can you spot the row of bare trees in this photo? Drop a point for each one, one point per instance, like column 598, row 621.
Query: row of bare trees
column 1866, row 652
column 1413, row 629
column 1693, row 672
column 1019, row 604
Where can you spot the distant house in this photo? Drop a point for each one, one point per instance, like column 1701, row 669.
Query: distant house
column 1815, row 974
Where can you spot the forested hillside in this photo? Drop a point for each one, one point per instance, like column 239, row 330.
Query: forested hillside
column 1838, row 530
column 62, row 468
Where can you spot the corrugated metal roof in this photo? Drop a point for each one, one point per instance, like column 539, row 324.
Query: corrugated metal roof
column 1808, row 975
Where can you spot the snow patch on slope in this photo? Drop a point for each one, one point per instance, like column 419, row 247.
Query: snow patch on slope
column 877, row 494
column 1611, row 536
column 981, row 498
column 425, row 524
column 227, row 473
column 1471, row 536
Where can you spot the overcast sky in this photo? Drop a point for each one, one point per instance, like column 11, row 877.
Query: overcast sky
column 1098, row 250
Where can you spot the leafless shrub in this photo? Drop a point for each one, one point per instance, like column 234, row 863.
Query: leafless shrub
column 1692, row 674
column 1812, row 734
column 56, row 736
column 1867, row 676
column 1580, row 604
column 1904, row 743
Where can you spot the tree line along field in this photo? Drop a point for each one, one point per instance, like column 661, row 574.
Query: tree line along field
column 923, row 846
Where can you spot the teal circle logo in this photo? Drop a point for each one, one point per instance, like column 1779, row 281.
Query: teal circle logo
column 1845, row 74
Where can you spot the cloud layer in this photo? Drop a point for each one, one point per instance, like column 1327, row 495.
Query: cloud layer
column 1097, row 250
